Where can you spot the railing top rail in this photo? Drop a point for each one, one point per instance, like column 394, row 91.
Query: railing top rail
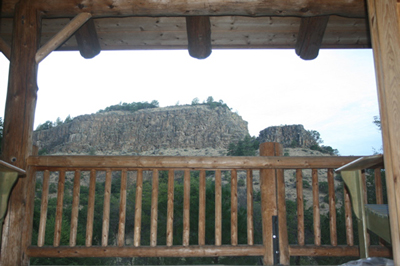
column 192, row 162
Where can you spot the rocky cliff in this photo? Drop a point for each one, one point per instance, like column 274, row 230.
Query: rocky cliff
column 127, row 133
column 289, row 136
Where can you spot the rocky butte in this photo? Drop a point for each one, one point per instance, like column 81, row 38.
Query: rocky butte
column 154, row 131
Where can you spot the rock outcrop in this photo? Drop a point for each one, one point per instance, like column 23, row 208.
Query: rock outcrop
column 127, row 133
column 289, row 136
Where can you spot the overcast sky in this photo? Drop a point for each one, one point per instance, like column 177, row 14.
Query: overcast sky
column 334, row 94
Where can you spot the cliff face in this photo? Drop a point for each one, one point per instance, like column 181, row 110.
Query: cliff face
column 289, row 136
column 192, row 127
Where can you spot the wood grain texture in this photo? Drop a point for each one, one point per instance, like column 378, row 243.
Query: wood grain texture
column 218, row 208
column 332, row 208
column 348, row 217
column 75, row 209
column 355, row 8
column 316, row 208
column 43, row 208
column 309, row 38
column 106, row 209
column 250, row 207
column 90, row 210
column 170, row 208
column 154, row 209
column 61, row 36
column 87, row 40
column 300, row 207
column 187, row 162
column 59, row 209
column 384, row 28
column 202, row 208
column 186, row 208
column 199, row 36
column 234, row 209
column 122, row 209
column 18, row 125
column 138, row 209
column 5, row 48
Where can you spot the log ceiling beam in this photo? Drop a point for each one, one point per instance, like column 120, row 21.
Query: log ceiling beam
column 61, row 36
column 5, row 48
column 309, row 38
column 199, row 36
column 87, row 40
column 304, row 8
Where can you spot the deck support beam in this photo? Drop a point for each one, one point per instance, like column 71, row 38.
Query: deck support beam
column 309, row 38
column 18, row 125
column 385, row 34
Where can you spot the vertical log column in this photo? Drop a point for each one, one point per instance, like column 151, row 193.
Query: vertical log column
column 385, row 34
column 272, row 204
column 18, row 126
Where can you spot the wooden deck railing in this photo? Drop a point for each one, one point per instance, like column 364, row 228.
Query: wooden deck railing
column 56, row 169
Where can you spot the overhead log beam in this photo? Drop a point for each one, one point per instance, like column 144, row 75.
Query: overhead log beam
column 199, row 36
column 304, row 8
column 309, row 39
column 87, row 40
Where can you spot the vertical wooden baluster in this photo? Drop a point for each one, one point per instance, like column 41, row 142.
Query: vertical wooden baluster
column 234, row 230
column 316, row 212
column 170, row 208
column 250, row 224
column 300, row 207
column 90, row 211
column 186, row 208
column 378, row 186
column 332, row 208
column 284, row 257
column 154, row 209
column 379, row 193
column 122, row 209
column 365, row 194
column 202, row 208
column 349, row 218
column 138, row 208
column 106, row 209
column 218, row 208
column 75, row 209
column 43, row 208
column 59, row 210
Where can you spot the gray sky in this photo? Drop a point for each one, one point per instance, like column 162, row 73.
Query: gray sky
column 334, row 94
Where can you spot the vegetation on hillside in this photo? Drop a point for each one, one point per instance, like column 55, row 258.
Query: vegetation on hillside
column 49, row 124
column 245, row 147
column 210, row 103
column 318, row 144
column 131, row 107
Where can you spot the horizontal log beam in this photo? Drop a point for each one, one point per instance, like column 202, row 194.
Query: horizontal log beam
column 337, row 251
column 309, row 38
column 198, row 251
column 159, row 251
column 62, row 8
column 191, row 162
column 88, row 42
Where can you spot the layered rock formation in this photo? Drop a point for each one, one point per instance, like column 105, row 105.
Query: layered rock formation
column 289, row 136
column 120, row 132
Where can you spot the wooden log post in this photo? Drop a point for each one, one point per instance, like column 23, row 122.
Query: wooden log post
column 385, row 35
column 18, row 128
column 199, row 36
column 272, row 204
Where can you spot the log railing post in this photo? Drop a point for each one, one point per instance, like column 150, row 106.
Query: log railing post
column 273, row 204
column 18, row 128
